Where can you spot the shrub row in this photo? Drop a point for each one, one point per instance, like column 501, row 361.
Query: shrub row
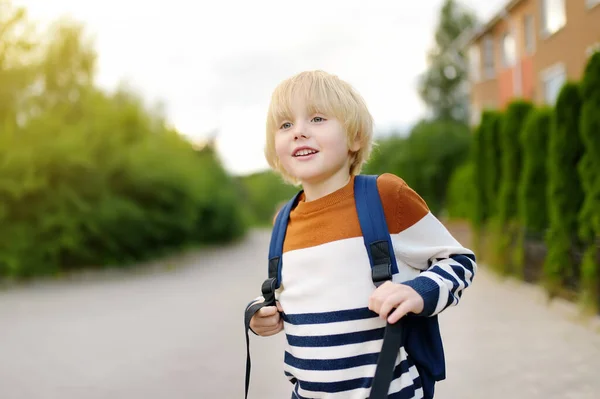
column 535, row 173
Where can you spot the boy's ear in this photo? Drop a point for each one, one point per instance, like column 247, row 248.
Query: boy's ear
column 354, row 145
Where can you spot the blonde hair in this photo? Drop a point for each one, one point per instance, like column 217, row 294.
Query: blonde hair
column 327, row 94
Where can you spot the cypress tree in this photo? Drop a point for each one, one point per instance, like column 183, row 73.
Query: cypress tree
column 589, row 170
column 564, row 191
column 531, row 190
column 511, row 164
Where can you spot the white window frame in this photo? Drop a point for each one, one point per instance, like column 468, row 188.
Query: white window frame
column 506, row 61
column 475, row 63
column 489, row 71
column 545, row 30
column 590, row 50
column 549, row 73
column 531, row 31
column 591, row 3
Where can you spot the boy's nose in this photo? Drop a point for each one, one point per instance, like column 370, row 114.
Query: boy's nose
column 300, row 132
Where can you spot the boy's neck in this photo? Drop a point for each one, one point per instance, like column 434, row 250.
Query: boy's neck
column 316, row 190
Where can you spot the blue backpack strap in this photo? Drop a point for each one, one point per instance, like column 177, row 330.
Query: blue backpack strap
column 277, row 238
column 420, row 336
column 273, row 281
column 383, row 266
column 374, row 229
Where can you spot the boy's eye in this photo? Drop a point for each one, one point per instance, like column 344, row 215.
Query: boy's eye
column 286, row 125
column 318, row 119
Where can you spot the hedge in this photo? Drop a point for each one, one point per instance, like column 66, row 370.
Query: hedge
column 493, row 159
column 589, row 217
column 531, row 187
column 506, row 226
column 110, row 188
column 564, row 191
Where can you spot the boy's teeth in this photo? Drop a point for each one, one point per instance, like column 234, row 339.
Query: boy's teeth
column 305, row 152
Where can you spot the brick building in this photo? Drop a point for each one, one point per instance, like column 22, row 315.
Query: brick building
column 529, row 50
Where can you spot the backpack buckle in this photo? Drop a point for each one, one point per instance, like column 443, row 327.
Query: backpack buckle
column 382, row 272
column 268, row 290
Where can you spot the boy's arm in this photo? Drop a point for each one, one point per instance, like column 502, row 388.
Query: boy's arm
column 447, row 267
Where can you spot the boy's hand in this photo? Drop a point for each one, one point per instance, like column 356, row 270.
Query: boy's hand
column 267, row 321
column 391, row 295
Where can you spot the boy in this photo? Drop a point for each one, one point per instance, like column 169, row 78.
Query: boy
column 319, row 134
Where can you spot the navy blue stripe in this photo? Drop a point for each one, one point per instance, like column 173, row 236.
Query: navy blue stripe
column 464, row 261
column 331, row 364
column 329, row 317
column 349, row 385
column 441, row 272
column 336, row 339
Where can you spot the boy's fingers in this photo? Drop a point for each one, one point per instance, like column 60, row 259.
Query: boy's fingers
column 400, row 312
column 279, row 308
column 272, row 331
column 267, row 311
column 267, row 321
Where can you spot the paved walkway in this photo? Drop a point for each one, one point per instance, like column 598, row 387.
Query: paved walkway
column 169, row 333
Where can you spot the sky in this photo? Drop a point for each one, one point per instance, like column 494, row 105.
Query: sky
column 213, row 64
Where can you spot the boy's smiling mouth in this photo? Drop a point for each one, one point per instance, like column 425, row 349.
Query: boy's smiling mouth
column 304, row 152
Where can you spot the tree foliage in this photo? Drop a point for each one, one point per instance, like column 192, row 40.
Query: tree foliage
column 442, row 87
column 425, row 159
column 589, row 217
column 512, row 158
column 564, row 191
column 89, row 178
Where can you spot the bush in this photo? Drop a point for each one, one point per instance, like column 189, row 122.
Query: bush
column 263, row 193
column 493, row 157
column 479, row 203
column 589, row 217
column 506, row 227
column 425, row 159
column 79, row 196
column 564, row 191
column 460, row 197
column 531, row 190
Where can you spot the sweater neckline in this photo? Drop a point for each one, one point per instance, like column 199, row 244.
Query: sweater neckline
column 335, row 197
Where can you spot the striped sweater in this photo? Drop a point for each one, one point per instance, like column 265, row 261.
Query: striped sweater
column 333, row 339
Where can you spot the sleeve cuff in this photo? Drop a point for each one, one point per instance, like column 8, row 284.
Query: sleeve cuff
column 429, row 291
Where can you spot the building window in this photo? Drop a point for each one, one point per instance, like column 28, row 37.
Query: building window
column 509, row 50
column 529, row 32
column 553, row 79
column 592, row 3
column 475, row 63
column 475, row 117
column 554, row 16
column 489, row 69
column 594, row 48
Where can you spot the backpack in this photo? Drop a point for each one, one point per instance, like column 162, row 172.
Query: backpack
column 419, row 335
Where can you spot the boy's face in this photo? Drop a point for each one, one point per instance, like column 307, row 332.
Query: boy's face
column 313, row 148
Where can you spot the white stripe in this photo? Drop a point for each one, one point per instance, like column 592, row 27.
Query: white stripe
column 318, row 279
column 336, row 352
column 332, row 375
column 396, row 385
column 426, row 240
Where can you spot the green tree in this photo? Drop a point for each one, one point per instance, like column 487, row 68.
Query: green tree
column 263, row 193
column 90, row 179
column 493, row 156
column 442, row 87
column 461, row 193
column 426, row 159
column 17, row 71
column 505, row 226
column 532, row 186
column 589, row 217
column 564, row 193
